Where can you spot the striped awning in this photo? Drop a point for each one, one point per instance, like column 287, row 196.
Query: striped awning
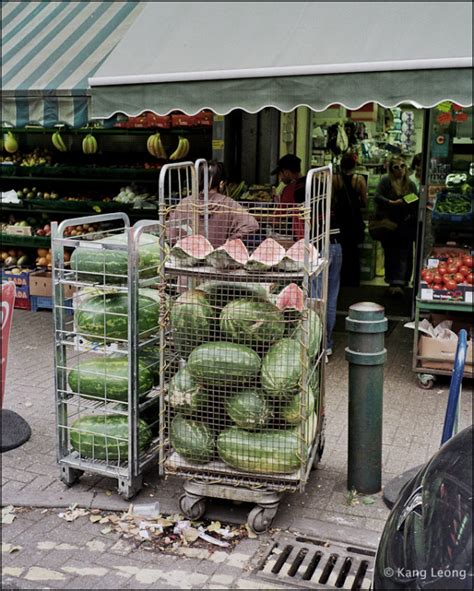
column 49, row 50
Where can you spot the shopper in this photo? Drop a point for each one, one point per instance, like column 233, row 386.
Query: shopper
column 288, row 169
column 350, row 196
column 398, row 242
column 227, row 218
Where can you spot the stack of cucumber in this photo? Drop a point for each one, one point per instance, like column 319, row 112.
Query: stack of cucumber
column 238, row 397
column 103, row 316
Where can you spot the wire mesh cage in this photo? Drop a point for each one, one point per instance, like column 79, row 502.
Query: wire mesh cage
column 245, row 324
column 107, row 358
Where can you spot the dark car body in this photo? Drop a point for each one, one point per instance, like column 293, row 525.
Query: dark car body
column 427, row 540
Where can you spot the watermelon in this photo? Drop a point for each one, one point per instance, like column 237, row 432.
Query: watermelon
column 252, row 323
column 222, row 362
column 294, row 257
column 105, row 316
column 151, row 415
column 190, row 251
column 150, row 357
column 105, row 437
column 185, row 394
column 220, row 293
column 292, row 410
column 315, row 332
column 281, row 368
column 268, row 255
column 270, row 451
column 290, row 298
column 191, row 321
column 233, row 254
column 106, row 377
column 93, row 264
column 192, row 440
column 248, row 409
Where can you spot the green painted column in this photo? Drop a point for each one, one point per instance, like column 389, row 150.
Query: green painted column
column 366, row 354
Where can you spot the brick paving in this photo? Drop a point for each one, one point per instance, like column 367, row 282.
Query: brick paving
column 58, row 554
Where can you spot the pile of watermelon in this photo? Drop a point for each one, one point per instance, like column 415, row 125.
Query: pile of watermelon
column 238, row 397
column 101, row 315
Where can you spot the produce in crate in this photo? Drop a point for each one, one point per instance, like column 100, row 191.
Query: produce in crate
column 295, row 255
column 281, row 368
column 290, row 298
column 271, row 451
column 105, row 437
column 292, row 410
column 191, row 321
column 233, row 254
column 105, row 315
column 315, row 332
column 252, row 323
column 266, row 256
column 185, row 394
column 222, row 362
column 106, row 377
column 94, row 264
column 191, row 439
column 249, row 409
column 191, row 251
column 220, row 293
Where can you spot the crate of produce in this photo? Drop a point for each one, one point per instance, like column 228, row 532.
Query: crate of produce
column 453, row 207
column 18, row 230
column 21, row 279
column 41, row 285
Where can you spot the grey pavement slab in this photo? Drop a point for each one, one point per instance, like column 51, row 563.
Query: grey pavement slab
column 412, row 428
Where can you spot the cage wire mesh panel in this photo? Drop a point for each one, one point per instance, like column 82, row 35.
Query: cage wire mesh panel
column 107, row 358
column 245, row 327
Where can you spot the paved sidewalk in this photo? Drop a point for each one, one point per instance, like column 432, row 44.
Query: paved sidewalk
column 413, row 420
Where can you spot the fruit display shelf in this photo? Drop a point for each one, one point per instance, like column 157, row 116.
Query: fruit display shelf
column 35, row 241
column 81, row 173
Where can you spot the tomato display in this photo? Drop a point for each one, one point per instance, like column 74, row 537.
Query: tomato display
column 467, row 261
column 464, row 270
column 470, row 278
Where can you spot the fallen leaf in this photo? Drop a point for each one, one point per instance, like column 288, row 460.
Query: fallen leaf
column 368, row 500
column 104, row 520
column 214, row 526
column 10, row 548
column 190, row 534
column 7, row 515
column 250, row 533
column 95, row 518
column 164, row 522
column 106, row 530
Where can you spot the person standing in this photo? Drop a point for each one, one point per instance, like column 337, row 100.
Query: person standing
column 397, row 243
column 288, row 170
column 350, row 196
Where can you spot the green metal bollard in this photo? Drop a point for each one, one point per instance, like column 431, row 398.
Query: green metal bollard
column 366, row 354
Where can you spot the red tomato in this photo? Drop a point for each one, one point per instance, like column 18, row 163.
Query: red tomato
column 463, row 270
column 458, row 277
column 437, row 278
column 442, row 269
column 450, row 261
column 450, row 284
column 438, row 286
column 470, row 278
column 467, row 261
column 428, row 276
column 452, row 268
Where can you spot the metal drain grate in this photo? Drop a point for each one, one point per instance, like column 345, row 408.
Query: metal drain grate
column 311, row 563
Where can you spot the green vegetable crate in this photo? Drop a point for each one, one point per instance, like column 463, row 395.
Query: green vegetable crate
column 107, row 358
column 243, row 411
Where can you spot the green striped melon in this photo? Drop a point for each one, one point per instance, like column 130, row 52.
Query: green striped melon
column 252, row 323
column 105, row 437
column 249, row 409
column 292, row 410
column 106, row 377
column 191, row 439
column 185, row 394
column 191, row 320
column 282, row 368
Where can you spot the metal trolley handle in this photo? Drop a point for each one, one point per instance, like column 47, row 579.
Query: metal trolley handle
column 450, row 419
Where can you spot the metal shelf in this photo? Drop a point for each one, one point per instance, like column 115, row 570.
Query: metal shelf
column 12, row 240
column 443, row 305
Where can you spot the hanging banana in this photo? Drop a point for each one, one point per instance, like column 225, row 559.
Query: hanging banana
column 155, row 146
column 10, row 144
column 58, row 142
column 181, row 150
column 89, row 144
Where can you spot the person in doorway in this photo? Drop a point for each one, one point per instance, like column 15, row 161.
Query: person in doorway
column 227, row 218
column 398, row 242
column 349, row 195
column 415, row 177
column 288, row 169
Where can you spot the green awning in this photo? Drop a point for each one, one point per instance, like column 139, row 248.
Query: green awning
column 223, row 56
column 49, row 50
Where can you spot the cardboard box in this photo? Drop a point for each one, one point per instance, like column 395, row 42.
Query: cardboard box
column 439, row 354
column 22, row 286
column 41, row 284
column 462, row 293
column 19, row 230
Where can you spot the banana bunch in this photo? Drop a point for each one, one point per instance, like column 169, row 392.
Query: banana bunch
column 182, row 149
column 89, row 144
column 58, row 142
column 155, row 147
column 10, row 144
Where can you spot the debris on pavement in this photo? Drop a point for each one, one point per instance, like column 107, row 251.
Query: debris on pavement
column 8, row 515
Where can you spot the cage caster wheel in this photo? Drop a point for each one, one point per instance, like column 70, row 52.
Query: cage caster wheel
column 70, row 475
column 426, row 381
column 260, row 519
column 192, row 507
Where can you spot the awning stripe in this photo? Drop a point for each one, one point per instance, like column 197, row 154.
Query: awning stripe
column 50, row 49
